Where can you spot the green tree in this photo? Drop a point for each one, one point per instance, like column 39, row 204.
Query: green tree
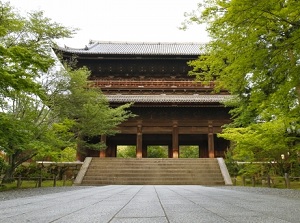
column 26, row 130
column 157, row 152
column 254, row 53
column 87, row 108
column 25, row 53
column 25, row 49
column 189, row 152
column 42, row 110
column 67, row 116
column 127, row 152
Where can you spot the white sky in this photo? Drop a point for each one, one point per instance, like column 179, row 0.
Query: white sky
column 119, row 20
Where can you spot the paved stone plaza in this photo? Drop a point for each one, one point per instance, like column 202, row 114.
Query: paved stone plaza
column 151, row 204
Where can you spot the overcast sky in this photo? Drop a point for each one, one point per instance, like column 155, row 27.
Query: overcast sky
column 119, row 20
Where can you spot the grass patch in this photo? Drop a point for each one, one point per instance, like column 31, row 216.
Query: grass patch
column 276, row 182
column 25, row 184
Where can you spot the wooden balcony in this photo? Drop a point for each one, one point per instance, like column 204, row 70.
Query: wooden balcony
column 151, row 84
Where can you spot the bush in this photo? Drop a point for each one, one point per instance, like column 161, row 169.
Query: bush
column 32, row 171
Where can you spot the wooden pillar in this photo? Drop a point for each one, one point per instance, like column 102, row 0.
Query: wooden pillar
column 102, row 153
column 145, row 152
column 113, row 150
column 211, row 146
column 203, row 151
column 139, row 142
column 79, row 156
column 108, row 151
column 170, row 151
column 175, row 143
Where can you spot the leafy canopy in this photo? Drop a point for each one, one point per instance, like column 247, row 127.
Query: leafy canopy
column 254, row 53
column 88, row 108
column 44, row 111
column 25, row 48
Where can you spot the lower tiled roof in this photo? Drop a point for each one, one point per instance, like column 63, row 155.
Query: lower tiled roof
column 164, row 98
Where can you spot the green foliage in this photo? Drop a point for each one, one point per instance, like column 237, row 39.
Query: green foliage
column 152, row 152
column 87, row 108
column 251, row 169
column 32, row 171
column 232, row 165
column 189, row 152
column 254, row 53
column 67, row 155
column 157, row 152
column 25, row 49
column 126, row 152
column 43, row 111
column 3, row 165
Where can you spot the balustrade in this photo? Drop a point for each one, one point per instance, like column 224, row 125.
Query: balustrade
column 151, row 84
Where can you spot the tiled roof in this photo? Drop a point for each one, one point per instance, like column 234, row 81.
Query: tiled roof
column 137, row 48
column 168, row 98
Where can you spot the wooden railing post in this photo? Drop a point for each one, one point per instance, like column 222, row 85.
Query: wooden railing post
column 54, row 180
column 253, row 181
column 19, row 181
column 269, row 180
column 234, row 181
column 64, row 179
column 287, row 180
column 244, row 181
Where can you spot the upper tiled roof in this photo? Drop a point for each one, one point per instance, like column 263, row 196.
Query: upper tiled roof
column 164, row 98
column 137, row 48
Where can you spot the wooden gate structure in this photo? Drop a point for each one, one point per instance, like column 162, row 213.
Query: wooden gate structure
column 172, row 109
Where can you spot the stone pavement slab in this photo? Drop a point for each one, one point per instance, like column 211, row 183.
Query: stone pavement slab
column 143, row 204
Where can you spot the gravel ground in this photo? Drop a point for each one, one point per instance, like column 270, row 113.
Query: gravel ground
column 20, row 193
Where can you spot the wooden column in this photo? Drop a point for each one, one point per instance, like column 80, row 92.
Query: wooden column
column 113, row 150
column 145, row 152
column 79, row 156
column 211, row 146
column 170, row 151
column 102, row 153
column 139, row 142
column 108, row 151
column 203, row 151
column 175, row 144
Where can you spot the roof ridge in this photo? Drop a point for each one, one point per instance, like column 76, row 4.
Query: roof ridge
column 95, row 42
column 138, row 48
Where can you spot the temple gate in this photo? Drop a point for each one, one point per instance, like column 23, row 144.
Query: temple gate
column 172, row 109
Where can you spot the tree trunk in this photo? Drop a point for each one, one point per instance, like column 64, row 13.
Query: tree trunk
column 8, row 176
column 9, row 173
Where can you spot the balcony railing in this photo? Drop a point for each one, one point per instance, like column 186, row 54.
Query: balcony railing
column 150, row 84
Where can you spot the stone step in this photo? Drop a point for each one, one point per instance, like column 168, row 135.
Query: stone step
column 150, row 164
column 153, row 167
column 141, row 171
column 154, row 160
column 145, row 175
column 105, row 171
column 152, row 182
column 151, row 160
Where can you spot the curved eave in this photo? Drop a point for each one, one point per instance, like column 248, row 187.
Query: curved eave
column 170, row 100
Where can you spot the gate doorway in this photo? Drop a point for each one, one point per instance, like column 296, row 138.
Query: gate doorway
column 191, row 151
column 126, row 151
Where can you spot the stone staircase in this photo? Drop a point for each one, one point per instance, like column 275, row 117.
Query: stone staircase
column 152, row 171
